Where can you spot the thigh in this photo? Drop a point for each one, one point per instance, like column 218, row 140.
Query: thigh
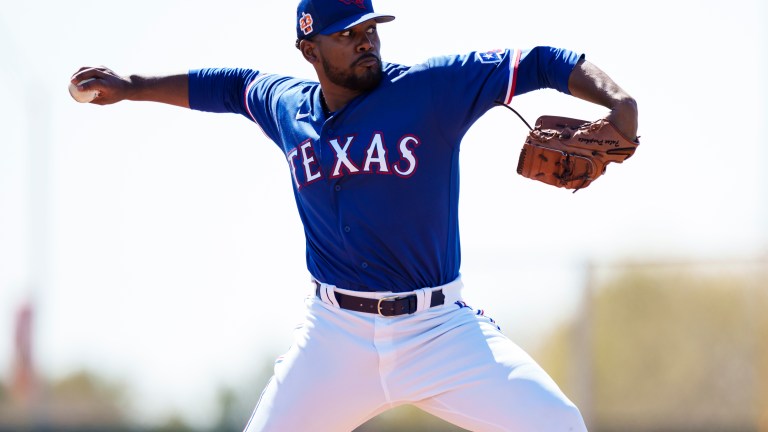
column 327, row 381
column 476, row 378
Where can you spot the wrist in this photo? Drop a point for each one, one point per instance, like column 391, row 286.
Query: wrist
column 623, row 115
column 135, row 87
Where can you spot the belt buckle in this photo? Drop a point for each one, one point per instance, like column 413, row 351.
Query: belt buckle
column 378, row 305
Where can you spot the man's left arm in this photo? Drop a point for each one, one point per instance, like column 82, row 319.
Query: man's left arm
column 589, row 83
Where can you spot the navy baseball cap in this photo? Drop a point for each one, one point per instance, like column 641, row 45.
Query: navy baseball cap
column 330, row 16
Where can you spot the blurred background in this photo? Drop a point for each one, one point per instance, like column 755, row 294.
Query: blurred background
column 152, row 260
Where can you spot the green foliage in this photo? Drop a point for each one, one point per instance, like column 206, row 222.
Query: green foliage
column 88, row 386
column 670, row 350
column 407, row 419
column 173, row 424
column 83, row 399
column 681, row 348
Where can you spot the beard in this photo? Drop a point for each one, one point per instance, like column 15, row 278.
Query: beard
column 366, row 81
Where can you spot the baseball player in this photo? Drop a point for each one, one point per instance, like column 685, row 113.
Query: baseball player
column 372, row 149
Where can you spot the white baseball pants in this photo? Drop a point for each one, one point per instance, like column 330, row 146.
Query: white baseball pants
column 346, row 367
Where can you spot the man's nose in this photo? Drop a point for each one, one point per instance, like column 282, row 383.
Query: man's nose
column 365, row 43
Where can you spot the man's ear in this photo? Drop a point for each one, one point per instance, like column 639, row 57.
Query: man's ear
column 308, row 50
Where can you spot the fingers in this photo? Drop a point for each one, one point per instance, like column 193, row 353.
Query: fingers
column 108, row 86
column 88, row 72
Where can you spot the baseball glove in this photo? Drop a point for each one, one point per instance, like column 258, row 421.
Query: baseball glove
column 571, row 153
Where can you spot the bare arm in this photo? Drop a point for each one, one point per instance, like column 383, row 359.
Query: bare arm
column 590, row 83
column 170, row 89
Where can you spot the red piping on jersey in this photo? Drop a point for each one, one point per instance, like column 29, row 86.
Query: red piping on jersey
column 513, row 79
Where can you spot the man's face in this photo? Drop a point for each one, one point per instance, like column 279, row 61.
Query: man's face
column 351, row 58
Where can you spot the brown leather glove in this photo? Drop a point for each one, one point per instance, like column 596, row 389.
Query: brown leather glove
column 571, row 153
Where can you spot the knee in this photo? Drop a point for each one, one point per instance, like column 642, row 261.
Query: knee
column 551, row 412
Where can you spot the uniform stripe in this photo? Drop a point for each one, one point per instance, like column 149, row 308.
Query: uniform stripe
column 512, row 76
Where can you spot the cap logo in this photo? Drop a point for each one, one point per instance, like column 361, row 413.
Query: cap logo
column 358, row 3
column 305, row 23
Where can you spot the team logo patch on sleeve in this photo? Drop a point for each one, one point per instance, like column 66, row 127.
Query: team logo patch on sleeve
column 493, row 56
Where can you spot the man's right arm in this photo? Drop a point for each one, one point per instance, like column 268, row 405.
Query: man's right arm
column 112, row 88
column 214, row 90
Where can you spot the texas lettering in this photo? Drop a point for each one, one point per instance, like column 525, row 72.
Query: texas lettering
column 306, row 169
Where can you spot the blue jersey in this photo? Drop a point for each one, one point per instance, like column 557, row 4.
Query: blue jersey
column 377, row 183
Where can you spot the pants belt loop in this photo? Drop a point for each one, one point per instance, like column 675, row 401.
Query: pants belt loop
column 423, row 299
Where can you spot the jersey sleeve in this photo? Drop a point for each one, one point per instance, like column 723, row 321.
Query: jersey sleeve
column 219, row 90
column 467, row 86
column 247, row 92
column 545, row 67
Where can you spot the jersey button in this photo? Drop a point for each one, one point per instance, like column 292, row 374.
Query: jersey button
column 337, row 188
column 364, row 265
column 347, row 229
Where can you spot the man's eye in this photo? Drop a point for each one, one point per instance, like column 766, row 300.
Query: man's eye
column 372, row 30
column 345, row 33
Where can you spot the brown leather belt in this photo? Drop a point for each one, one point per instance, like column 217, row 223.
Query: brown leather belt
column 389, row 306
